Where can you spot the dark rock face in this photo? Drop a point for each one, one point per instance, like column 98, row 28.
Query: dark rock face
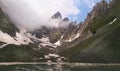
column 66, row 19
column 43, row 31
column 57, row 16
column 54, row 34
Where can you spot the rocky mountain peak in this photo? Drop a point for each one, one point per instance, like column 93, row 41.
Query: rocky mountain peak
column 66, row 19
column 57, row 16
column 100, row 9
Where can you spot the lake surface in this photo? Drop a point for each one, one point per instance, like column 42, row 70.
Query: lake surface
column 58, row 67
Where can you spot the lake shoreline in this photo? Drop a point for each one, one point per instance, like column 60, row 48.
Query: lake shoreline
column 73, row 64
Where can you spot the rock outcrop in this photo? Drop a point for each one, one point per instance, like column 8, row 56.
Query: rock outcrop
column 100, row 9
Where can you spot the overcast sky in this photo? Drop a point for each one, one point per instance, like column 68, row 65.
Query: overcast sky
column 34, row 13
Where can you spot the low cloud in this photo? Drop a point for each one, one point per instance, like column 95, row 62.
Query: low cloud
column 31, row 14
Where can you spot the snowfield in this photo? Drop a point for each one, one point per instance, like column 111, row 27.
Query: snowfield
column 19, row 39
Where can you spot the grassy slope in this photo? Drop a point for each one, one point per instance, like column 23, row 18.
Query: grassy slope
column 22, row 53
column 104, row 46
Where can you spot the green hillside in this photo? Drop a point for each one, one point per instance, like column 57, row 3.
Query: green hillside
column 22, row 53
column 6, row 26
column 104, row 45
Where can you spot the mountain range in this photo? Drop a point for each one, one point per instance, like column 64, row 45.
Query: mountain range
column 96, row 40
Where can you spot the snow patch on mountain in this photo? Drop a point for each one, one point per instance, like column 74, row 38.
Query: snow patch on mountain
column 19, row 39
column 113, row 21
column 23, row 38
column 46, row 42
column 2, row 46
column 58, row 43
column 71, row 39
column 68, row 40
column 39, row 47
column 76, row 36
column 51, row 55
column 6, row 38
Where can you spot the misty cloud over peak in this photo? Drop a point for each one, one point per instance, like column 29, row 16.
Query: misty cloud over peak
column 32, row 14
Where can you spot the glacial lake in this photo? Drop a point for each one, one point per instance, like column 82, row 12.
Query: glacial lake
column 58, row 67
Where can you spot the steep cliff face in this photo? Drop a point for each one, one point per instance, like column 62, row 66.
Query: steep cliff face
column 100, row 10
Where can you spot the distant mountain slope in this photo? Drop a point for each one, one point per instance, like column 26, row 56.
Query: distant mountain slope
column 6, row 26
column 104, row 45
